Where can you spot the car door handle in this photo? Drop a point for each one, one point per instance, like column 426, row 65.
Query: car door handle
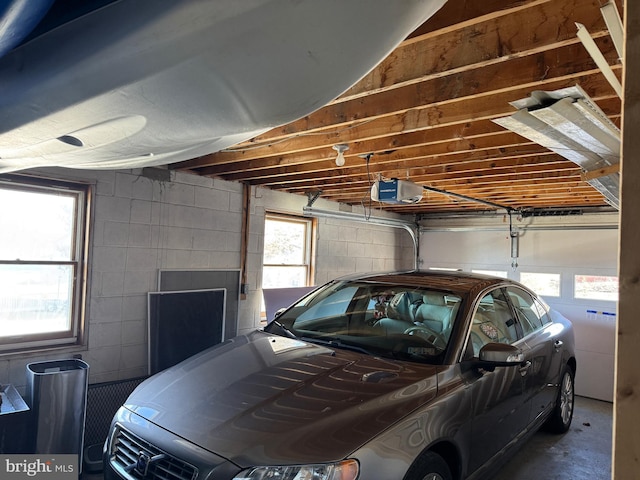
column 558, row 344
column 524, row 368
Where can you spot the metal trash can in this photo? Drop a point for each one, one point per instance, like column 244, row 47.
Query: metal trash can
column 57, row 395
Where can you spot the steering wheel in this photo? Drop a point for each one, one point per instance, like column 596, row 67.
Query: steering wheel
column 434, row 338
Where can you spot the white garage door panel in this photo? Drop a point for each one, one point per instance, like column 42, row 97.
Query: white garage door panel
column 594, row 378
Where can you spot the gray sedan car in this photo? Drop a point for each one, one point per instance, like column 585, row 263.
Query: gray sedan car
column 410, row 375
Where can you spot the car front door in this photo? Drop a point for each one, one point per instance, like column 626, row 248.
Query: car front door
column 500, row 406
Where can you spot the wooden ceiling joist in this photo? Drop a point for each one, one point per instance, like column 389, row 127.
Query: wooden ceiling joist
column 425, row 113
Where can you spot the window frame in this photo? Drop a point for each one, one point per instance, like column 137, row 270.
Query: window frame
column 309, row 247
column 75, row 335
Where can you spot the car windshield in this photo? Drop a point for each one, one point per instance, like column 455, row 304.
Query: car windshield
column 401, row 322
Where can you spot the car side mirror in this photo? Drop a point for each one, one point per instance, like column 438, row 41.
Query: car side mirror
column 494, row 355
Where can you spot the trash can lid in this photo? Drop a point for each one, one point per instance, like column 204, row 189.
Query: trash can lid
column 57, row 366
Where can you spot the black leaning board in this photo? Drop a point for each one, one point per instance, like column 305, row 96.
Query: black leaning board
column 182, row 324
column 200, row 279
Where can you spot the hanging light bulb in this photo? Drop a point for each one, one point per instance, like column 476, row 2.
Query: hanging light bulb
column 340, row 148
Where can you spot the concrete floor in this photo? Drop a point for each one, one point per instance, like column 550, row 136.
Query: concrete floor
column 584, row 452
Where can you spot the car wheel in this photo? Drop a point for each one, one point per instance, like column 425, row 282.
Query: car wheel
column 430, row 466
column 560, row 419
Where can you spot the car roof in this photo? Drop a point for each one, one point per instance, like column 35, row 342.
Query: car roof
column 456, row 281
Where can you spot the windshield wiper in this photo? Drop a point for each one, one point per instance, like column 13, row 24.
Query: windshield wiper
column 337, row 343
column 286, row 330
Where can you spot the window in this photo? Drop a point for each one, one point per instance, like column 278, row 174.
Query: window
column 287, row 251
column 385, row 319
column 492, row 322
column 596, row 287
column 531, row 314
column 43, row 249
column 542, row 283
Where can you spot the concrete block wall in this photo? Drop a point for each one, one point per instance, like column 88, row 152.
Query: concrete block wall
column 142, row 224
column 342, row 246
column 360, row 247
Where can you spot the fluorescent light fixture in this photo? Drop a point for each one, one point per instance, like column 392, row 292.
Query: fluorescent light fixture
column 601, row 62
column 614, row 25
column 570, row 124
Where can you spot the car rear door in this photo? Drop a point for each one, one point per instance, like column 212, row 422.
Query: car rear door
column 544, row 355
column 501, row 409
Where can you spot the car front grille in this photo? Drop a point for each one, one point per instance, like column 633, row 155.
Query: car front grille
column 137, row 459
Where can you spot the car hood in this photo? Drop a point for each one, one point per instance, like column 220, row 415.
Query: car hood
column 265, row 399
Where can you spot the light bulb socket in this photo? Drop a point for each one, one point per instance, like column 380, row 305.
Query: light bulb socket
column 340, row 148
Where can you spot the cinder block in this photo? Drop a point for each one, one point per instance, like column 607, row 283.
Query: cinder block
column 134, row 307
column 105, row 309
column 109, row 259
column 178, row 194
column 139, row 235
column 134, row 356
column 139, row 282
column 176, row 237
column 105, row 334
column 116, row 234
column 115, row 209
column 112, row 283
column 141, row 259
column 141, row 212
column 212, row 198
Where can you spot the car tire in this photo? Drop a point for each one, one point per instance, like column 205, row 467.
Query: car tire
column 560, row 419
column 430, row 466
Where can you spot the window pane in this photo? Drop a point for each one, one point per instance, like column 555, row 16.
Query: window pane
column 38, row 226
column 492, row 322
column 528, row 313
column 333, row 305
column 282, row 277
column 35, row 299
column 43, row 227
column 595, row 287
column 542, row 283
column 285, row 242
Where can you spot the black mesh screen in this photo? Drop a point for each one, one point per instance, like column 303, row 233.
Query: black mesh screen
column 103, row 401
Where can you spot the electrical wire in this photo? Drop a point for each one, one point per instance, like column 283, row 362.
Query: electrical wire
column 367, row 212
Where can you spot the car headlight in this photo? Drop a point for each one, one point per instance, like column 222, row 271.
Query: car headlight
column 345, row 470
